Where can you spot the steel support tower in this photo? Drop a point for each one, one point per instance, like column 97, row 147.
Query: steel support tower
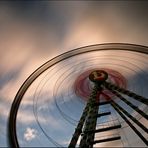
column 87, row 124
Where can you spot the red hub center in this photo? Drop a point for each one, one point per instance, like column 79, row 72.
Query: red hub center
column 83, row 86
column 98, row 76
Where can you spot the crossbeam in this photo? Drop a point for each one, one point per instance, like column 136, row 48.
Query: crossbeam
column 103, row 114
column 104, row 129
column 103, row 103
column 107, row 140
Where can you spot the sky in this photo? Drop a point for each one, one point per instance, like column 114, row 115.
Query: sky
column 32, row 33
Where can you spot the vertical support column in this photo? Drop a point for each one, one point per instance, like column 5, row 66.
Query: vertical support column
column 89, row 115
column 98, row 77
column 90, row 124
column 79, row 127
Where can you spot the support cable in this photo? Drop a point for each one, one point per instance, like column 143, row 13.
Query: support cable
column 126, row 92
column 131, row 117
column 129, row 103
column 129, row 123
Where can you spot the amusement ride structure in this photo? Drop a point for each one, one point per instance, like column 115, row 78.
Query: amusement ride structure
column 90, row 113
column 94, row 90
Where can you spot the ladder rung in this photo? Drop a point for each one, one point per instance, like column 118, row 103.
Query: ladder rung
column 103, row 114
column 107, row 139
column 104, row 129
column 103, row 103
column 108, row 128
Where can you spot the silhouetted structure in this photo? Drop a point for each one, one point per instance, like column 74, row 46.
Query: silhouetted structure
column 87, row 123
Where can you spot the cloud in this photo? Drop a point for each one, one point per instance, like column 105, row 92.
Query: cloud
column 30, row 134
column 34, row 32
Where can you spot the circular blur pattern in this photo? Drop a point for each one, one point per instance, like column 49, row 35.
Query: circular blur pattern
column 83, row 85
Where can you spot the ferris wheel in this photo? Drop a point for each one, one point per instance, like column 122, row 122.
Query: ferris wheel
column 91, row 96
